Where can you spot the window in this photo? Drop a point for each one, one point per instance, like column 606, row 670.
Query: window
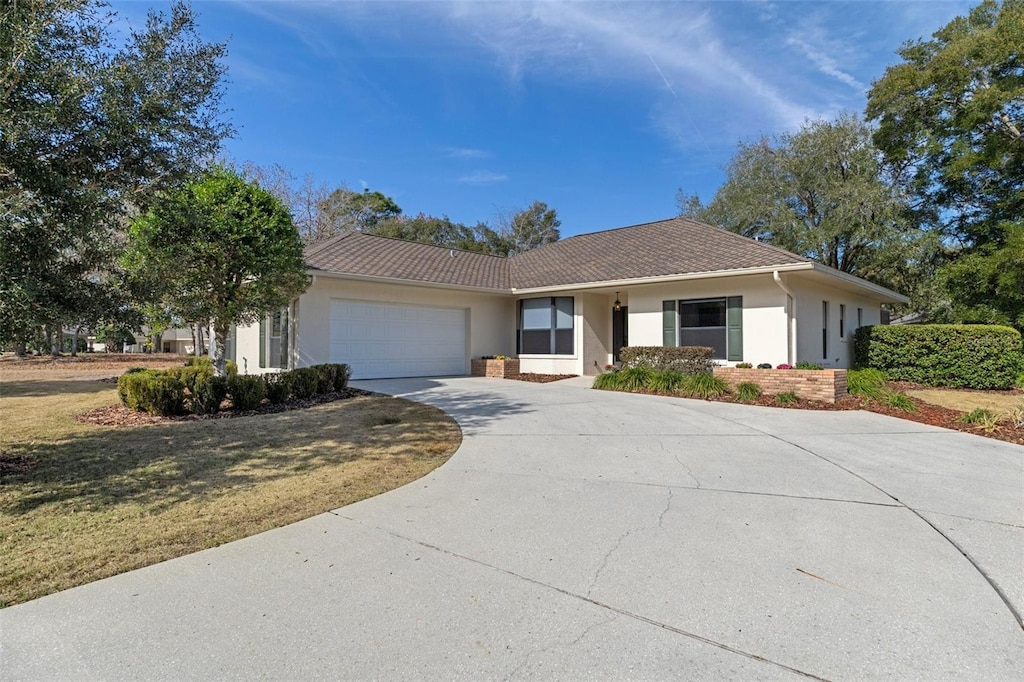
column 824, row 329
column 546, row 326
column 274, row 340
column 842, row 320
column 714, row 322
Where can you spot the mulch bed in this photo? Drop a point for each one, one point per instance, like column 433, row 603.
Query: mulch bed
column 540, row 378
column 119, row 415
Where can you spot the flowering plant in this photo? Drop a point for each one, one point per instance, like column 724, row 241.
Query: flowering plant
column 784, row 366
column 765, row 365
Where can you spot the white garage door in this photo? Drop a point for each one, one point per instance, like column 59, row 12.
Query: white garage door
column 383, row 340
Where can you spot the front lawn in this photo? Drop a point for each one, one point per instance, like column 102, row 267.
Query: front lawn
column 79, row 502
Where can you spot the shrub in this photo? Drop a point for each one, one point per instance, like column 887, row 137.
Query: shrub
column 744, row 365
column 748, row 391
column 1016, row 415
column 786, row 398
column 669, row 381
column 966, row 356
column 342, row 374
column 765, row 365
column 900, row 401
column 324, row 377
column 247, row 391
column 122, row 385
column 704, row 386
column 986, row 419
column 230, row 367
column 869, row 383
column 208, row 393
column 609, row 381
column 803, row 364
column 304, row 381
column 1020, row 381
column 634, row 378
column 154, row 392
column 784, row 365
column 278, row 387
column 685, row 359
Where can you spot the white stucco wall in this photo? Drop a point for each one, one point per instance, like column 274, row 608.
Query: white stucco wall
column 764, row 313
column 491, row 317
column 809, row 321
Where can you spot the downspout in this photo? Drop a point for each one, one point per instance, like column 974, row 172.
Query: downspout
column 790, row 318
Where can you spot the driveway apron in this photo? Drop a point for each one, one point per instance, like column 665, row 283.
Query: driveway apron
column 585, row 534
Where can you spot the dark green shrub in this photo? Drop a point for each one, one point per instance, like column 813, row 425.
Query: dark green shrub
column 304, row 381
column 155, row 392
column 230, row 367
column 803, row 364
column 634, row 378
column 959, row 355
column 341, row 376
column 208, row 393
column 900, row 401
column 685, row 359
column 247, row 391
column 609, row 381
column 744, row 365
column 122, row 385
column 748, row 391
column 325, row 376
column 704, row 386
column 278, row 387
column 765, row 365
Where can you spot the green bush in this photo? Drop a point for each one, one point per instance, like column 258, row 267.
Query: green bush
column 704, row 386
column 247, row 391
column 332, row 377
column 208, row 393
column 608, row 381
column 230, row 367
column 341, row 376
column 869, row 383
column 748, row 391
column 154, row 392
column 122, row 385
column 305, row 382
column 959, row 355
column 803, row 364
column 900, row 401
column 744, row 365
column 634, row 378
column 986, row 419
column 786, row 398
column 278, row 387
column 685, row 359
column 668, row 381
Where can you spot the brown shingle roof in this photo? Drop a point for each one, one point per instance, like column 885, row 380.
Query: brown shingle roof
column 354, row 253
column 667, row 247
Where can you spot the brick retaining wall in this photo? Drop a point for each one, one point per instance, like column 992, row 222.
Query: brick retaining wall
column 497, row 369
column 824, row 385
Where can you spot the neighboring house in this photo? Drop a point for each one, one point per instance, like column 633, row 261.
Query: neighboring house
column 392, row 308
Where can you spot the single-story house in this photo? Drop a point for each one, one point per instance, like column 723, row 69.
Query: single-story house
column 394, row 308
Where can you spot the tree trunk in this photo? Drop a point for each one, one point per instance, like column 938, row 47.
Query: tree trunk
column 197, row 338
column 218, row 342
column 19, row 349
column 74, row 343
column 54, row 345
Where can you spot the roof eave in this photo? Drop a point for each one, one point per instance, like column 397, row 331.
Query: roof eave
column 882, row 293
column 663, row 279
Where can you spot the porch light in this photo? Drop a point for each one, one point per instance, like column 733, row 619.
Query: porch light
column 617, row 306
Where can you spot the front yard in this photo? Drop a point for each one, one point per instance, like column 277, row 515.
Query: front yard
column 79, row 502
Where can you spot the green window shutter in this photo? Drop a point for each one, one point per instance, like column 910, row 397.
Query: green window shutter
column 668, row 323
column 284, row 339
column 734, row 328
column 263, row 342
column 233, row 355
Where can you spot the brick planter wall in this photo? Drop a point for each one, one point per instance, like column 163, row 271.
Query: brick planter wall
column 497, row 369
column 824, row 385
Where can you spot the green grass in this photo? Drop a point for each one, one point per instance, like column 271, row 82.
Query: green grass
column 900, row 401
column 869, row 383
column 786, row 398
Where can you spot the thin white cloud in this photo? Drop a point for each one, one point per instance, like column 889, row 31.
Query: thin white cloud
column 483, row 177
column 466, row 153
column 825, row 63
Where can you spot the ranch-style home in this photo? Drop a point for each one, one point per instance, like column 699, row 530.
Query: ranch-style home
column 393, row 308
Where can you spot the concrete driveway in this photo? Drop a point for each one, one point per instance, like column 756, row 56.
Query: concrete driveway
column 584, row 534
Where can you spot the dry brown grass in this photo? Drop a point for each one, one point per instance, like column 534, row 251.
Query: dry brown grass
column 81, row 502
column 1000, row 402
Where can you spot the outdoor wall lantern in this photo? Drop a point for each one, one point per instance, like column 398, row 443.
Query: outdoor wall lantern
column 617, row 306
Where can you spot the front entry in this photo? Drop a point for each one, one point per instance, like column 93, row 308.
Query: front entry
column 620, row 331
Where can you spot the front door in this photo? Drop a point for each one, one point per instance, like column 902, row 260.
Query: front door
column 620, row 331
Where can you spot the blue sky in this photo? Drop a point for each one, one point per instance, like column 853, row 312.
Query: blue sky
column 602, row 110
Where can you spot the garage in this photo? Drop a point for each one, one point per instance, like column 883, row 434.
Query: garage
column 390, row 340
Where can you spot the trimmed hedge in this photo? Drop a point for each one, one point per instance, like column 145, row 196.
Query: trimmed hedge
column 958, row 355
column 685, row 359
column 193, row 387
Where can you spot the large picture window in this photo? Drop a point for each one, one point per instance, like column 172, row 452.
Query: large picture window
column 714, row 322
column 702, row 323
column 546, row 326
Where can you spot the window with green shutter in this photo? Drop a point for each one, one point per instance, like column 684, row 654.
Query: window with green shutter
column 734, row 324
column 713, row 322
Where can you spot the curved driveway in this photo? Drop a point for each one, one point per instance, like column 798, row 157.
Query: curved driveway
column 584, row 534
